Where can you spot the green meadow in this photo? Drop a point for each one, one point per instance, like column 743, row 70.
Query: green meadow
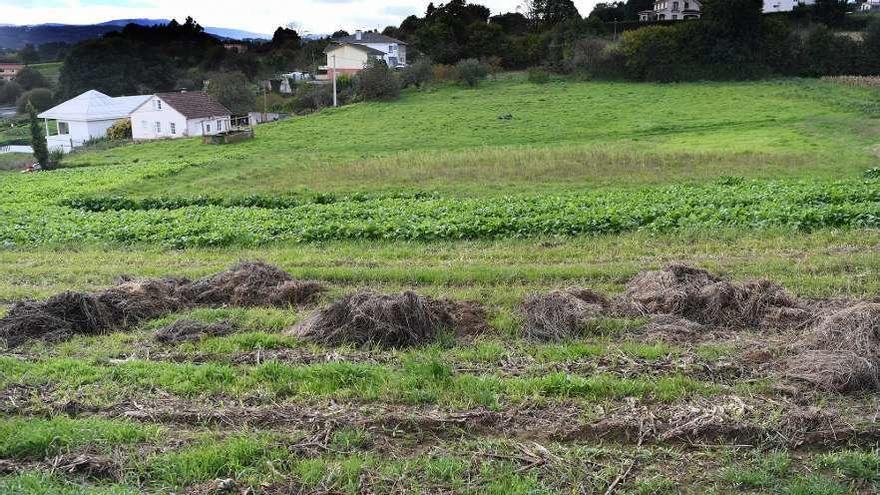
column 485, row 195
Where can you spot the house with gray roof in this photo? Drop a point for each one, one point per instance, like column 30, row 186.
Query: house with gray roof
column 393, row 50
column 182, row 114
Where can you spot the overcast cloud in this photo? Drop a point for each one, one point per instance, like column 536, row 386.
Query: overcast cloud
column 261, row 16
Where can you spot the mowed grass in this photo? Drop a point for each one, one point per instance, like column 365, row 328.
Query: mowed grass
column 562, row 135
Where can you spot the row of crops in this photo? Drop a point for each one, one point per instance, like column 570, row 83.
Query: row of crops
column 78, row 206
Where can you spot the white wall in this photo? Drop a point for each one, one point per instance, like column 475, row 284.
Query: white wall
column 144, row 119
column 390, row 50
column 78, row 133
column 784, row 5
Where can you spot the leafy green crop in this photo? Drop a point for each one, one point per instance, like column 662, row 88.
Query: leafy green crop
column 69, row 206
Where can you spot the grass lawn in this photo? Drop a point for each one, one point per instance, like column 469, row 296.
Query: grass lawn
column 748, row 180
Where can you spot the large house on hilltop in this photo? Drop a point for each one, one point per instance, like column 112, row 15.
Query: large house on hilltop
column 183, row 114
column 672, row 10
column 350, row 54
column 676, row 10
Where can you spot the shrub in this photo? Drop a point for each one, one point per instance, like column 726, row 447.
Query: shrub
column 313, row 97
column 538, row 76
column 29, row 79
column 41, row 98
column 471, row 71
column 595, row 57
column 417, row 74
column 444, row 72
column 377, row 82
column 9, row 92
column 121, row 129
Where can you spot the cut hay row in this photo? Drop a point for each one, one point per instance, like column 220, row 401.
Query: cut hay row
column 131, row 302
column 838, row 350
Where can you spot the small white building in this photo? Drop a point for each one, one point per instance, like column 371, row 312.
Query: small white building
column 174, row 115
column 86, row 117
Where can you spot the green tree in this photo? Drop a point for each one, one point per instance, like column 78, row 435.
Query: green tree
column 29, row 79
column 38, row 138
column 40, row 98
column 377, row 82
column 546, row 13
column 633, row 7
column 233, row 90
column 28, row 55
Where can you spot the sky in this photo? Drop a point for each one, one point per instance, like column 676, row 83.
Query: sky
column 260, row 16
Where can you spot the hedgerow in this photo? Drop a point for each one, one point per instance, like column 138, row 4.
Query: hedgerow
column 70, row 207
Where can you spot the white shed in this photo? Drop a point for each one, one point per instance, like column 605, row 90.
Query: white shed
column 88, row 116
column 174, row 115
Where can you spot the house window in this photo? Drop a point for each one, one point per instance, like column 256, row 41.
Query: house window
column 145, row 125
column 207, row 127
column 390, row 48
column 173, row 128
column 219, row 125
column 158, row 104
column 675, row 6
column 63, row 128
column 158, row 127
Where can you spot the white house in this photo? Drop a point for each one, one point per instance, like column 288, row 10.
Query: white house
column 870, row 6
column 352, row 52
column 88, row 116
column 173, row 115
column 784, row 5
column 347, row 58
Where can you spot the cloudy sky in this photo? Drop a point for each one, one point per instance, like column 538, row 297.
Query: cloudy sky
column 261, row 16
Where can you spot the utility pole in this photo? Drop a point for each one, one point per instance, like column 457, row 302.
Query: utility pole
column 334, row 82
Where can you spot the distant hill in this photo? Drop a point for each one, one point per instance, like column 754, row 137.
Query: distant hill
column 18, row 36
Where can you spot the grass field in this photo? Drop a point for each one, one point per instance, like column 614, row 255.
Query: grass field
column 602, row 181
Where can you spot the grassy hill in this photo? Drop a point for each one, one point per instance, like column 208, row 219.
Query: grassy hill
column 584, row 185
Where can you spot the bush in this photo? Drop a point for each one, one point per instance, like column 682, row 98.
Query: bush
column 9, row 92
column 233, row 90
column 444, row 72
column 121, row 129
column 377, row 82
column 29, row 78
column 471, row 71
column 417, row 74
column 41, row 98
column 313, row 97
column 595, row 57
column 538, row 76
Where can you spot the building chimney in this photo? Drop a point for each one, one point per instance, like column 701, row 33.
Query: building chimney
column 358, row 35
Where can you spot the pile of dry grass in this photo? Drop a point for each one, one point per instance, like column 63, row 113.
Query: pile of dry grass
column 192, row 331
column 561, row 314
column 252, row 283
column 842, row 352
column 698, row 295
column 369, row 318
column 55, row 319
column 131, row 302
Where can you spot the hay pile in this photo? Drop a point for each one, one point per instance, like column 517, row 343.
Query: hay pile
column 131, row 302
column 561, row 314
column 55, row 319
column 671, row 328
column 369, row 318
column 192, row 331
column 842, row 352
column 698, row 295
column 252, row 283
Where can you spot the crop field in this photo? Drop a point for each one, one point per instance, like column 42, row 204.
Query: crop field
column 574, row 287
